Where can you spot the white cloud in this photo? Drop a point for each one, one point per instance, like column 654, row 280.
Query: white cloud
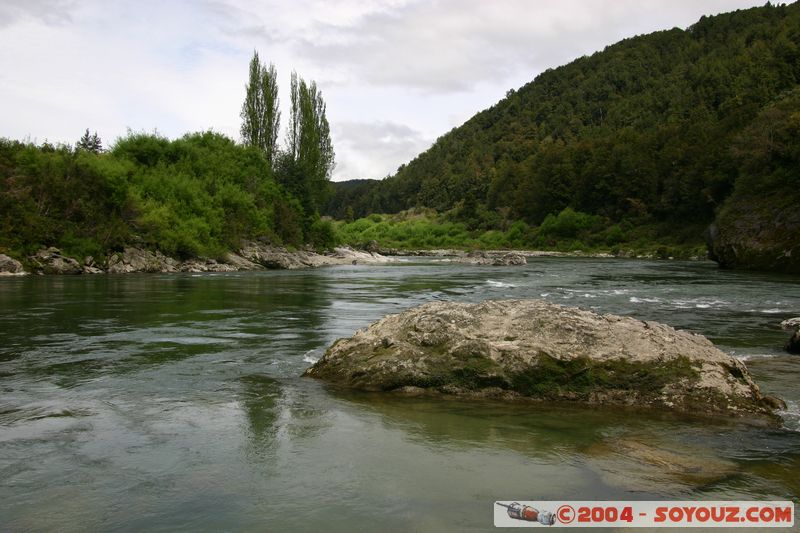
column 369, row 149
column 395, row 74
column 51, row 12
column 454, row 45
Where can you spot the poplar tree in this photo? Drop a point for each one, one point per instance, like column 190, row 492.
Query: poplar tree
column 310, row 151
column 260, row 111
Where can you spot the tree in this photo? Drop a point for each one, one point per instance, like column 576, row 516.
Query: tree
column 91, row 143
column 260, row 111
column 310, row 157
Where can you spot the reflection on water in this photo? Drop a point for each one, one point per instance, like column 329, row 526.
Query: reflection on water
column 173, row 401
column 659, row 453
column 260, row 400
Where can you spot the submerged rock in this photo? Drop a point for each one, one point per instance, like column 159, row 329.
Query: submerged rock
column 793, row 344
column 10, row 266
column 647, row 463
column 535, row 349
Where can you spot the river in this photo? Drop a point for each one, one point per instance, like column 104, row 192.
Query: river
column 164, row 402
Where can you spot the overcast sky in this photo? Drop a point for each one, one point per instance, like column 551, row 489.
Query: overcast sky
column 395, row 74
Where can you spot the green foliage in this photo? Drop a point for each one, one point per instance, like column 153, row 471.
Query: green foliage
column 51, row 195
column 768, row 149
column 261, row 109
column 567, row 232
column 655, row 131
column 350, row 199
column 568, row 224
column 759, row 223
column 305, row 168
column 199, row 195
column 195, row 196
column 288, row 221
column 405, row 230
column 322, row 234
column 91, row 143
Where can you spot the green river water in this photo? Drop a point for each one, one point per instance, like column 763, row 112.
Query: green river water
column 174, row 402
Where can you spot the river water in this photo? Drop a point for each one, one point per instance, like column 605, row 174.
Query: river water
column 164, row 402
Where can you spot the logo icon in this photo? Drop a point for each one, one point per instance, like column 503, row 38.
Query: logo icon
column 527, row 513
column 565, row 514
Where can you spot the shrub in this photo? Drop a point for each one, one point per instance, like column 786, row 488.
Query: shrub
column 322, row 234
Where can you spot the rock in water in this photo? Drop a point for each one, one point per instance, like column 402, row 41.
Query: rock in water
column 793, row 344
column 535, row 349
column 510, row 259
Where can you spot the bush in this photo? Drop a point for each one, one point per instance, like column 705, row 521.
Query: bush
column 568, row 224
column 198, row 195
column 322, row 234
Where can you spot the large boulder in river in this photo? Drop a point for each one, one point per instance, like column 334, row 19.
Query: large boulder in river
column 536, row 349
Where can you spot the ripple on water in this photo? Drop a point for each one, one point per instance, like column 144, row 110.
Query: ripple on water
column 638, row 300
column 791, row 416
column 498, row 284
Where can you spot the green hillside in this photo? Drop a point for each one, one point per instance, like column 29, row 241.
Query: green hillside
column 648, row 132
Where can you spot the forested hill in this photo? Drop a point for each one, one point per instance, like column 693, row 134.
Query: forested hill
column 649, row 130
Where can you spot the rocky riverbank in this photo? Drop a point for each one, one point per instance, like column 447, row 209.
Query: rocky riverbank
column 514, row 349
column 257, row 256
column 253, row 256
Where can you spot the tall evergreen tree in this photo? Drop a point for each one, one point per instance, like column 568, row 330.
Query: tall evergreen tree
column 91, row 143
column 260, row 111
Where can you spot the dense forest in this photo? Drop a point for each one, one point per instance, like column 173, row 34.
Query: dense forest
column 656, row 130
